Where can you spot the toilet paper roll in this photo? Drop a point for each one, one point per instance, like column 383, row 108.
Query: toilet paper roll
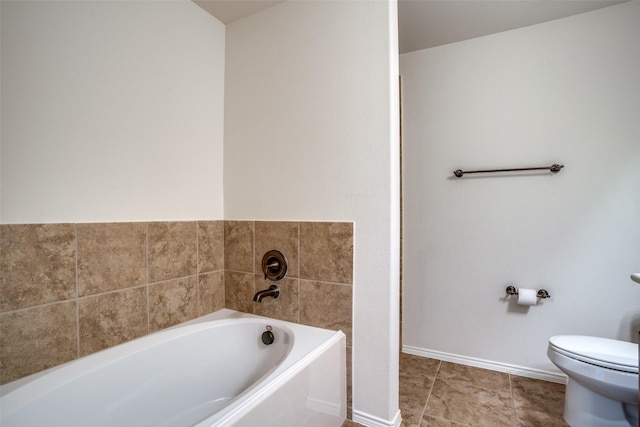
column 527, row 296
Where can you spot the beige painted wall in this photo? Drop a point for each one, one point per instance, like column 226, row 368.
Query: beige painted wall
column 111, row 111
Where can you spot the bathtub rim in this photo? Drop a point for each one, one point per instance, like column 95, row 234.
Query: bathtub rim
column 222, row 314
column 263, row 388
column 29, row 390
column 238, row 406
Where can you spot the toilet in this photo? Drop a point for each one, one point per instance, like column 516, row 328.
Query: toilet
column 602, row 386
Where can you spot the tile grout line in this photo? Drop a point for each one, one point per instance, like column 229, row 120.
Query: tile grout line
column 112, row 291
column 224, row 275
column 255, row 253
column 513, row 402
column 224, row 259
column 298, row 272
column 254, row 260
column 426, row 403
column 198, row 308
column 146, row 268
column 77, row 298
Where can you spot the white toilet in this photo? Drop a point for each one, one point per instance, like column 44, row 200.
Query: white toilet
column 602, row 389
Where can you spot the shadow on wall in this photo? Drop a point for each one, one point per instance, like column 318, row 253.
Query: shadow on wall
column 630, row 327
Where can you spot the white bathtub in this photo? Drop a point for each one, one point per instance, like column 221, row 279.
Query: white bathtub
column 213, row 371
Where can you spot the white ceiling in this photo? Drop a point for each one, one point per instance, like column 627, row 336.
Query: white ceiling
column 228, row 11
column 429, row 23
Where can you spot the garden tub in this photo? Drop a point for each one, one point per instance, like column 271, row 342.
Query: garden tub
column 213, row 371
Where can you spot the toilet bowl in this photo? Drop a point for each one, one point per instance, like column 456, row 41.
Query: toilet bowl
column 602, row 386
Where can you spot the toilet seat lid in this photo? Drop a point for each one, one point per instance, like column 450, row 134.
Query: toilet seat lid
column 604, row 352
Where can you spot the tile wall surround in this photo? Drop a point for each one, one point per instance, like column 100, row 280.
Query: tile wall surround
column 318, row 288
column 69, row 290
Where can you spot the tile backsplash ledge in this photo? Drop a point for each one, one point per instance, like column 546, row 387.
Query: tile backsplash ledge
column 69, row 290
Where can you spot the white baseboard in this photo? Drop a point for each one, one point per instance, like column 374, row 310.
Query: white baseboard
column 326, row 407
column 373, row 421
column 487, row 364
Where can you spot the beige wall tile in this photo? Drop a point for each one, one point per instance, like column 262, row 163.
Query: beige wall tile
column 172, row 302
column 283, row 236
column 326, row 305
column 37, row 338
column 239, row 289
column 172, row 250
column 210, row 246
column 110, row 319
column 37, row 264
column 211, row 292
column 326, row 251
column 198, row 267
column 286, row 306
column 111, row 256
column 238, row 246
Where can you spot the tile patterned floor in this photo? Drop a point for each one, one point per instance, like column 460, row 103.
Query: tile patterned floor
column 444, row 394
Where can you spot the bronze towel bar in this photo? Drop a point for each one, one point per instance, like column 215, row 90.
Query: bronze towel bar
column 555, row 168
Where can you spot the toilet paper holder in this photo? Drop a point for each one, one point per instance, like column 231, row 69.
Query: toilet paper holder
column 541, row 293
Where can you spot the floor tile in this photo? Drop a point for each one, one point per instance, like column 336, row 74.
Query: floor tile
column 411, row 418
column 444, row 394
column 411, row 366
column 417, row 375
column 431, row 421
column 462, row 375
column 414, row 393
column 538, row 403
column 470, row 404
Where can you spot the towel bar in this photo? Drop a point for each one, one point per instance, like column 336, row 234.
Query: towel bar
column 555, row 168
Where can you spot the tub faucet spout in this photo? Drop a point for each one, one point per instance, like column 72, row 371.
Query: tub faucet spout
column 273, row 292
